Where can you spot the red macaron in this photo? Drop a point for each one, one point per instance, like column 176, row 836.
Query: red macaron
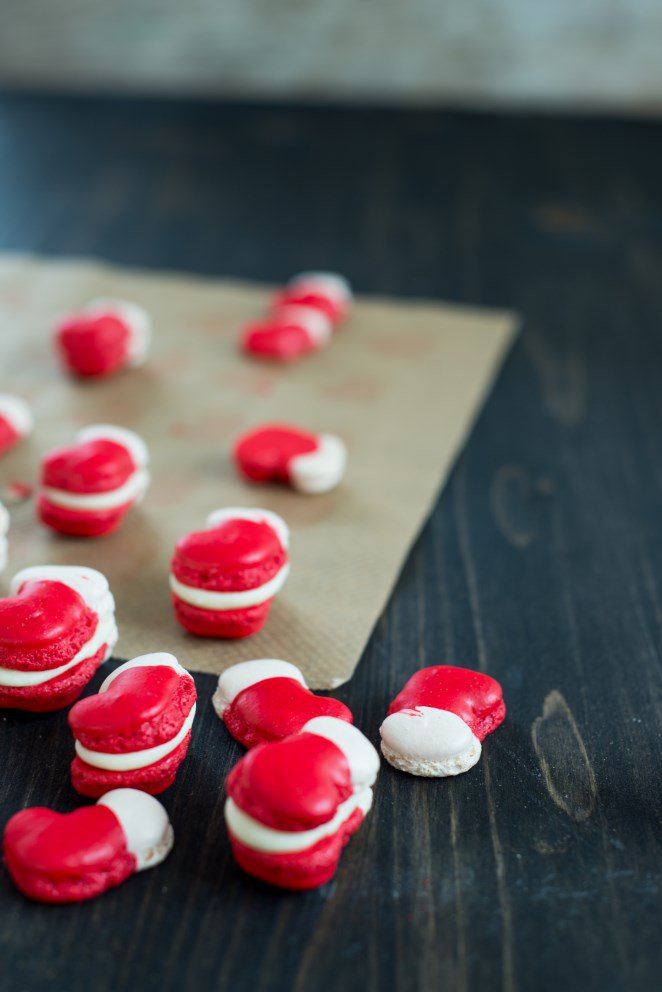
column 223, row 579
column 56, row 628
column 67, row 857
column 104, row 337
column 287, row 334
column 88, row 488
column 293, row 804
column 136, row 730
column 267, row 699
column 310, row 463
column 16, row 421
column 437, row 722
column 327, row 292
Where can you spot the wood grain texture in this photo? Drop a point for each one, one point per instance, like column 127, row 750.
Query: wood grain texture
column 541, row 564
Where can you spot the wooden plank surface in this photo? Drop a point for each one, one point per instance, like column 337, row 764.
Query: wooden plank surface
column 542, row 563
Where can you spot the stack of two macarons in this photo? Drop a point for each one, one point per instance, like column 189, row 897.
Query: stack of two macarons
column 302, row 319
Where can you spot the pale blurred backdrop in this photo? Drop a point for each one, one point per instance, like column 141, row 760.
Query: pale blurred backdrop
column 585, row 54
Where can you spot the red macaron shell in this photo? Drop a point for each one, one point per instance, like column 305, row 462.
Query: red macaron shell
column 9, row 436
column 154, row 779
column 55, row 857
column 294, row 784
column 97, row 466
column 56, row 693
column 142, row 707
column 43, row 626
column 277, row 341
column 298, row 870
column 474, row 697
column 264, row 455
column 221, row 623
column 93, row 344
column 81, row 523
column 235, row 555
column 274, row 708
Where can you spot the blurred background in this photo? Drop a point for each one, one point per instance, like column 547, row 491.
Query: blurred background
column 585, row 54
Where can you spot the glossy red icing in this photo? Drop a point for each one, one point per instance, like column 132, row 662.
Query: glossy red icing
column 303, row 296
column 59, row 857
column 294, row 784
column 264, row 454
column 277, row 341
column 98, row 466
column 474, row 697
column 93, row 344
column 275, row 708
column 44, row 626
column 237, row 554
column 9, row 436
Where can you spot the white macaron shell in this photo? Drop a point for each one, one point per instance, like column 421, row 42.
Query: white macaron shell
column 120, row 435
column 16, row 412
column 361, row 756
column 157, row 659
column 320, row 470
column 238, row 677
column 91, row 585
column 136, row 319
column 145, row 824
column 251, row 513
column 427, row 736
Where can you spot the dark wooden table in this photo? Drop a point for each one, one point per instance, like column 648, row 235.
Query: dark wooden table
column 542, row 563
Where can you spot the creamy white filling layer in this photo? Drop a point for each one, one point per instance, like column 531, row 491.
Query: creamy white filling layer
column 206, row 599
column 106, row 633
column 131, row 760
column 254, row 834
column 132, row 490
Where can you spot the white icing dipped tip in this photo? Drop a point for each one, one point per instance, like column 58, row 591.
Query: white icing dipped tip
column 277, row 523
column 429, row 742
column 134, row 317
column 157, row 659
column 320, row 470
column 16, row 412
column 120, row 435
column 149, row 836
column 328, row 282
column 314, row 322
column 361, row 756
column 243, row 675
column 91, row 585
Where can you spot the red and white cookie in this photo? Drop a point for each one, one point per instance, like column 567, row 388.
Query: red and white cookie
column 87, row 489
column 67, row 857
column 268, row 699
column 4, row 530
column 327, row 292
column 136, row 730
column 106, row 336
column 223, row 579
column 16, row 421
column 435, row 725
column 310, row 463
column 56, row 627
column 287, row 334
column 293, row 804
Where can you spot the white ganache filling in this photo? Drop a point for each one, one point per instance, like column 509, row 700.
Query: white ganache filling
column 135, row 318
column 131, row 491
column 320, row 470
column 256, row 835
column 105, row 633
column 206, row 599
column 131, row 760
column 17, row 413
column 145, row 824
column 245, row 674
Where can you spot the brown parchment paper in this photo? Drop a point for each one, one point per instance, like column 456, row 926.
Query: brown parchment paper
column 400, row 382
